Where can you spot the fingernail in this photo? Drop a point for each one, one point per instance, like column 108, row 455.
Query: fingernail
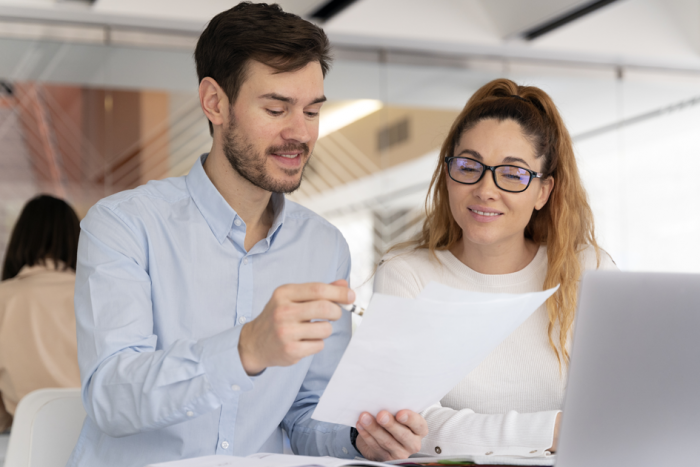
column 366, row 420
column 384, row 419
column 351, row 296
column 403, row 418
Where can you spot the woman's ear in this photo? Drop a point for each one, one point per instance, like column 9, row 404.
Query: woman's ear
column 546, row 188
column 214, row 101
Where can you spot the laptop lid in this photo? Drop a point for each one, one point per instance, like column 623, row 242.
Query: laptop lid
column 633, row 395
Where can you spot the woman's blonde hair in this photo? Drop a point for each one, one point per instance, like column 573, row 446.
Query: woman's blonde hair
column 564, row 224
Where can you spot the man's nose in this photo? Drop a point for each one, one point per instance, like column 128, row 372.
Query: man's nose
column 297, row 128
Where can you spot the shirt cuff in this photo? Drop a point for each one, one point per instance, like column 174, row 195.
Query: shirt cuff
column 527, row 435
column 341, row 445
column 222, row 364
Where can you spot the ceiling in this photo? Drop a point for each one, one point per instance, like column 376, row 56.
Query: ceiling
column 650, row 33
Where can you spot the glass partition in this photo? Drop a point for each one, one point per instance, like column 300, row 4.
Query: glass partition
column 82, row 117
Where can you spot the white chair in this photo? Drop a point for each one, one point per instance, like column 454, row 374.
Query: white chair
column 45, row 429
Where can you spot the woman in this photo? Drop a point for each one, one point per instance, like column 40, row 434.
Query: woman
column 507, row 214
column 38, row 346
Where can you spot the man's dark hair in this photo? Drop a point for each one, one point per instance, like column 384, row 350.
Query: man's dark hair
column 47, row 228
column 260, row 32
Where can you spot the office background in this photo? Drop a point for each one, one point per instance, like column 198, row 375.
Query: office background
column 101, row 96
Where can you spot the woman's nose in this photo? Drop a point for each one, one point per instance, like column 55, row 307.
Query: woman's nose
column 486, row 187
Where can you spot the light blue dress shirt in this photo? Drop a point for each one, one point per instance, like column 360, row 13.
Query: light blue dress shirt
column 163, row 288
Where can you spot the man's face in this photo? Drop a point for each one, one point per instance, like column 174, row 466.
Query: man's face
column 274, row 125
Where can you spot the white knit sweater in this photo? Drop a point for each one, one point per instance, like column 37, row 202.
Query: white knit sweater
column 509, row 403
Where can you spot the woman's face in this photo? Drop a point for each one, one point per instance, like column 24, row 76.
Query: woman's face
column 488, row 215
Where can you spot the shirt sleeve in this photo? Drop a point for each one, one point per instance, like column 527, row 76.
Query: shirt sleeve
column 129, row 383
column 311, row 437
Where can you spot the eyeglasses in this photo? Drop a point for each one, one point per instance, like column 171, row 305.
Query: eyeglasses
column 510, row 178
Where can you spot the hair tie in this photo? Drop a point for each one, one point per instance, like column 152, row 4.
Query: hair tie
column 535, row 103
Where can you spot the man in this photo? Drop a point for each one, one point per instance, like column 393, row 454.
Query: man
column 207, row 304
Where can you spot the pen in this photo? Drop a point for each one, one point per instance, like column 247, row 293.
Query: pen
column 358, row 310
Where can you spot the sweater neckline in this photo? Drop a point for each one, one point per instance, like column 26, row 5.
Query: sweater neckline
column 48, row 265
column 527, row 274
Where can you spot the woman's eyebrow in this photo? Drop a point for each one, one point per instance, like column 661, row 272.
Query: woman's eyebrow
column 515, row 159
column 471, row 152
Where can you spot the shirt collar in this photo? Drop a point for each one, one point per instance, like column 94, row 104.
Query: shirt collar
column 279, row 208
column 218, row 214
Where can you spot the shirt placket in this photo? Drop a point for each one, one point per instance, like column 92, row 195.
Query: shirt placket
column 243, row 314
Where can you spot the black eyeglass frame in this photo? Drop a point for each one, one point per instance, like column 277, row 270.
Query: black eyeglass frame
column 493, row 168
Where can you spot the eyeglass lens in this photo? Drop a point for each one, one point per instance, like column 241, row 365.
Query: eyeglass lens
column 507, row 177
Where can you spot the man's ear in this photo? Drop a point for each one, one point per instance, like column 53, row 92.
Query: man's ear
column 546, row 188
column 214, row 102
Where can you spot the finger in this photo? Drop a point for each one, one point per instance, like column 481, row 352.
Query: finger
column 369, row 446
column 415, row 422
column 340, row 282
column 409, row 441
column 318, row 330
column 315, row 291
column 383, row 438
column 303, row 349
column 319, row 309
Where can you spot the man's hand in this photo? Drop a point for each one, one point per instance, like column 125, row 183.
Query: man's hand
column 284, row 332
column 387, row 438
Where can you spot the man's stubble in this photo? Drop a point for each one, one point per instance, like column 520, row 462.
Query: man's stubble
column 251, row 166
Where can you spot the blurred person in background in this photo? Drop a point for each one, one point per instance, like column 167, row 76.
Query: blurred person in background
column 507, row 213
column 37, row 322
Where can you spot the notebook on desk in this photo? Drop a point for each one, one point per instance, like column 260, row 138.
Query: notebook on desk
column 633, row 395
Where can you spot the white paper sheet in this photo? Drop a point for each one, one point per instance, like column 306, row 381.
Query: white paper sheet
column 408, row 354
column 268, row 460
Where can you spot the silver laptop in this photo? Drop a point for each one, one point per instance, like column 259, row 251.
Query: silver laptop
column 633, row 396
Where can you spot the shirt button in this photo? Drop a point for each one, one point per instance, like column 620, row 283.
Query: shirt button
column 242, row 320
column 437, row 449
column 190, row 413
column 245, row 261
column 345, row 450
column 236, row 387
column 237, row 222
column 224, row 445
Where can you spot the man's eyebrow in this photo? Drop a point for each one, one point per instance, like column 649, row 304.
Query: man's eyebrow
column 290, row 100
column 511, row 159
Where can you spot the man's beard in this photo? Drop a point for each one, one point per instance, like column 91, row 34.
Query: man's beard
column 251, row 166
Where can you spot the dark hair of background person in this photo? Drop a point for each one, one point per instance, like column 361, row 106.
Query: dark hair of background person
column 260, row 32
column 47, row 228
